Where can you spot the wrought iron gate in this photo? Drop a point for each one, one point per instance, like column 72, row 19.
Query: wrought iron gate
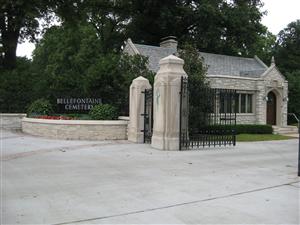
column 148, row 115
column 207, row 116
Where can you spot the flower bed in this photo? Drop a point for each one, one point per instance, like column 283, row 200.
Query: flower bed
column 55, row 117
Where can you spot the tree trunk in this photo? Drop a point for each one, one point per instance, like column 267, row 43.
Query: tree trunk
column 10, row 42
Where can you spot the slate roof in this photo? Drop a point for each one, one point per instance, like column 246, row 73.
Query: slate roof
column 217, row 64
column 232, row 65
column 155, row 54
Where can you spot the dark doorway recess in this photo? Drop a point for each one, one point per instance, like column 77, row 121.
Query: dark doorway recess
column 271, row 108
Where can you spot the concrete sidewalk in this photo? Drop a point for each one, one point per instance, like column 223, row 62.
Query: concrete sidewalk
column 48, row 181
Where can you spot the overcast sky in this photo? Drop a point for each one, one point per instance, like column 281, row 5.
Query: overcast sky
column 280, row 14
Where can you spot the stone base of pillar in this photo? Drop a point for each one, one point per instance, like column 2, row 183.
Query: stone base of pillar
column 165, row 143
column 136, row 137
column 172, row 144
column 158, row 142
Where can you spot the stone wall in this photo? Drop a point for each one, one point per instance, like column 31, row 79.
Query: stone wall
column 76, row 129
column 272, row 80
column 248, row 85
column 231, row 82
column 245, row 118
column 11, row 120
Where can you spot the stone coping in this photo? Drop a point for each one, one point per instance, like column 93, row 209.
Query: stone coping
column 76, row 122
column 233, row 77
column 13, row 114
column 123, row 118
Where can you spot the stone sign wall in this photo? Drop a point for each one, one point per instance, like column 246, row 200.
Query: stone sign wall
column 77, row 104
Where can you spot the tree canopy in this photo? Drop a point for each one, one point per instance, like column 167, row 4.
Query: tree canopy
column 19, row 21
column 219, row 26
column 68, row 65
column 288, row 48
column 287, row 56
column 81, row 55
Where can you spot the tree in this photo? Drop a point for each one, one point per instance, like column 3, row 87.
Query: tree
column 61, row 60
column 264, row 47
column 109, row 19
column 242, row 27
column 294, row 92
column 153, row 20
column 110, row 78
column 287, row 49
column 18, row 21
column 217, row 26
column 68, row 65
column 16, row 91
column 193, row 66
column 287, row 55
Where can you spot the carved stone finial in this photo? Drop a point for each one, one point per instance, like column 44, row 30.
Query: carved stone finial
column 272, row 61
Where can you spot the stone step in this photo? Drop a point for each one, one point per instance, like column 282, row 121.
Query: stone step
column 285, row 130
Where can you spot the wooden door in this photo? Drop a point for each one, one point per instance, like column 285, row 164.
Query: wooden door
column 271, row 109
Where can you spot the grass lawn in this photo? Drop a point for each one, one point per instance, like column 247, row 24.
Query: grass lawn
column 261, row 137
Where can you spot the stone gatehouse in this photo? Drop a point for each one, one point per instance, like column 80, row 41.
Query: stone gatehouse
column 262, row 90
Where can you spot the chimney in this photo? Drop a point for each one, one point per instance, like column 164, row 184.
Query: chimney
column 169, row 42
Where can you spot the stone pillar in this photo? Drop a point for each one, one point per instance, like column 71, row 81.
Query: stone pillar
column 166, row 103
column 136, row 108
column 260, row 102
column 284, row 109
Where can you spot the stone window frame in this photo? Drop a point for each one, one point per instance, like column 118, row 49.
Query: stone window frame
column 222, row 110
column 239, row 111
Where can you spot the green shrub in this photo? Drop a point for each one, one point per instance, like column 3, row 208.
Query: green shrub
column 40, row 107
column 104, row 112
column 254, row 129
column 245, row 128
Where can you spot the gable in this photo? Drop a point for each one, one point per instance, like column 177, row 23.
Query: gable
column 273, row 74
column 130, row 48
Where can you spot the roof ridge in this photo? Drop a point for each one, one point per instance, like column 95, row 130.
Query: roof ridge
column 227, row 55
column 153, row 46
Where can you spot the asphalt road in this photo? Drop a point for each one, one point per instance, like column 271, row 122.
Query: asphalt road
column 46, row 181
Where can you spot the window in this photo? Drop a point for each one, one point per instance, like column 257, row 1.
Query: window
column 249, row 103
column 227, row 103
column 243, row 104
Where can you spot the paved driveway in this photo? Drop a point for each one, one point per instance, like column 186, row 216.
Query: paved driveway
column 67, row 182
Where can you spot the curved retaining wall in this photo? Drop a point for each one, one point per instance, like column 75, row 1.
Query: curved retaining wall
column 11, row 120
column 76, row 129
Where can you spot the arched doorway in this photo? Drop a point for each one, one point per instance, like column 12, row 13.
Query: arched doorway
column 271, row 108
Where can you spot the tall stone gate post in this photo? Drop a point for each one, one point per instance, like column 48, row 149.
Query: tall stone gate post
column 166, row 103
column 136, row 109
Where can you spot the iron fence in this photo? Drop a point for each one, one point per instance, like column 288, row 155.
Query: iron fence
column 207, row 116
